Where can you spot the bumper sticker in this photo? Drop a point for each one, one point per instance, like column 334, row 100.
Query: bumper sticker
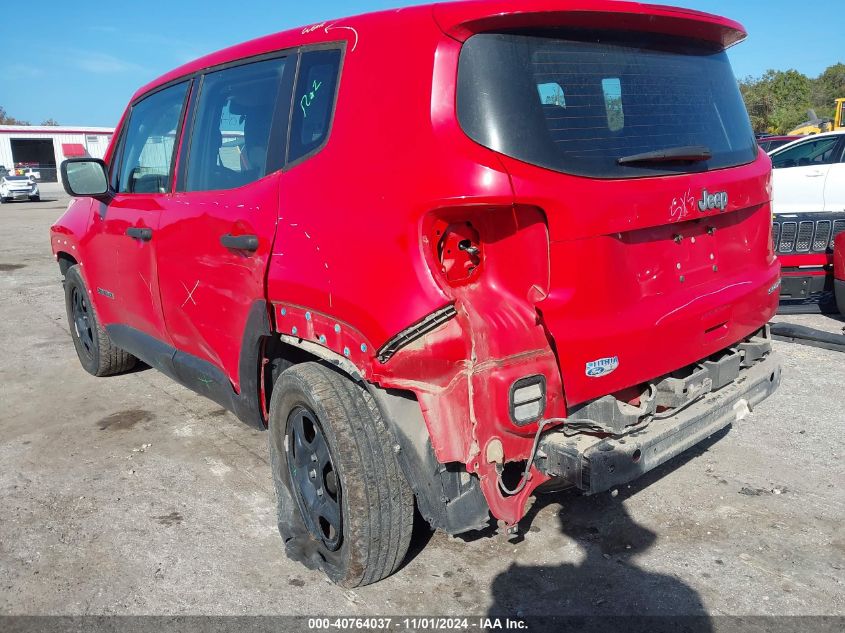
column 602, row 367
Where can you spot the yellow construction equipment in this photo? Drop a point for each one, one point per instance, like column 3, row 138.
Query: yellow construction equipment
column 816, row 125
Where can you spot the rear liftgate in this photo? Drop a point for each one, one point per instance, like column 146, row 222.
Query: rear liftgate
column 674, row 414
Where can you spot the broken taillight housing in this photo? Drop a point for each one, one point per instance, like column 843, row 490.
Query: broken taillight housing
column 505, row 249
column 458, row 251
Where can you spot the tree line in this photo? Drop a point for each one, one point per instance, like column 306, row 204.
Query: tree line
column 779, row 100
column 6, row 119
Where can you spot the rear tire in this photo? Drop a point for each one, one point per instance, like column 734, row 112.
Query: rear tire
column 327, row 434
column 97, row 354
column 839, row 286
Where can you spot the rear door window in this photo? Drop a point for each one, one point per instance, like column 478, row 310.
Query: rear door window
column 231, row 141
column 603, row 96
column 147, row 147
column 314, row 102
column 823, row 151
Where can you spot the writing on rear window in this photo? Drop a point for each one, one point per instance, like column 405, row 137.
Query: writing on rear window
column 315, row 94
column 308, row 99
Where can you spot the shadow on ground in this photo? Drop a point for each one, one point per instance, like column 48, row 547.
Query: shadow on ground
column 15, row 202
column 608, row 585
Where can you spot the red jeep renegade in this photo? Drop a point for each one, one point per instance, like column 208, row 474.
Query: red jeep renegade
column 450, row 255
column 839, row 272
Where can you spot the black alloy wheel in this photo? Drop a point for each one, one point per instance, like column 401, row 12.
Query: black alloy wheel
column 314, row 478
column 97, row 354
column 82, row 320
column 344, row 505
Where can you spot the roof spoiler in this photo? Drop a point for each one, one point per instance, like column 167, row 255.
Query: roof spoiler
column 461, row 20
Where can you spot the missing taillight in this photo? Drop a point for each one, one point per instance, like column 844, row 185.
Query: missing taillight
column 458, row 251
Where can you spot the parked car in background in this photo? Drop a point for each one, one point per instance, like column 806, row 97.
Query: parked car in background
column 771, row 143
column 808, row 200
column 30, row 172
column 804, row 244
column 490, row 263
column 839, row 271
column 18, row 188
column 809, row 174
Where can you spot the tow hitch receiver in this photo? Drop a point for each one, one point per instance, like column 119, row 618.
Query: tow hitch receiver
column 596, row 463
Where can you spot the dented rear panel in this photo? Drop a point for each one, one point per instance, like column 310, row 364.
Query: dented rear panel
column 638, row 150
column 650, row 288
column 496, row 263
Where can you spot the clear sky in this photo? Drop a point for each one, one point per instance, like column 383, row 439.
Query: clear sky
column 79, row 62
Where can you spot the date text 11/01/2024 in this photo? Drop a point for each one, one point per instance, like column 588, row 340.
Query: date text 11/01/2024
column 417, row 624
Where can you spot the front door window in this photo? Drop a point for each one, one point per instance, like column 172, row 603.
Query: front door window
column 147, row 149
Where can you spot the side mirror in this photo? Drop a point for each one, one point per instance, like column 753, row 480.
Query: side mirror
column 85, row 177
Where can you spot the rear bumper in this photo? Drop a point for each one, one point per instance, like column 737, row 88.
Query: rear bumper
column 595, row 465
column 809, row 293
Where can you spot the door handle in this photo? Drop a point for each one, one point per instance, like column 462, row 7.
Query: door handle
column 815, row 174
column 145, row 235
column 240, row 242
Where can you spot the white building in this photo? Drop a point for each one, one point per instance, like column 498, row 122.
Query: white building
column 44, row 148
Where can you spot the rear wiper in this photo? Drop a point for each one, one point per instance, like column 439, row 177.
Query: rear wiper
column 690, row 153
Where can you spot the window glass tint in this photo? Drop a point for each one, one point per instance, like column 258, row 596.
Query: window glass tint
column 818, row 152
column 621, row 94
column 147, row 147
column 231, row 136
column 313, row 101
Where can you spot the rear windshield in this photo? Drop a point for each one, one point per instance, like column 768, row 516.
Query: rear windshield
column 577, row 102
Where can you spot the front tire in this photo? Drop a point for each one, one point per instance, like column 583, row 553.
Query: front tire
column 344, row 505
column 97, row 354
column 35, row 198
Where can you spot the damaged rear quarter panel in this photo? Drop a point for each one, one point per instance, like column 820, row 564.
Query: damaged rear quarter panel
column 355, row 251
column 463, row 372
